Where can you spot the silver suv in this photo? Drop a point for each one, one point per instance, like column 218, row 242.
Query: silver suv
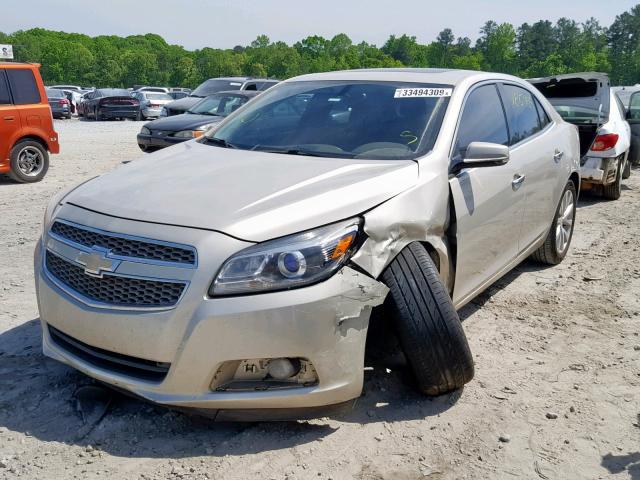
column 237, row 273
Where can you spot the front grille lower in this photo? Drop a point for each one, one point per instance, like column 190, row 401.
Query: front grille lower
column 123, row 364
column 113, row 289
column 122, row 246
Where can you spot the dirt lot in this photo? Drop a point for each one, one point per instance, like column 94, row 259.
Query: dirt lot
column 556, row 393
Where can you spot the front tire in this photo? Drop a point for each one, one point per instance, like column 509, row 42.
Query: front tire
column 556, row 245
column 29, row 162
column 427, row 324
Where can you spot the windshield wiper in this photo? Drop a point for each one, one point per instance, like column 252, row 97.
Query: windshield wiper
column 306, row 153
column 218, row 142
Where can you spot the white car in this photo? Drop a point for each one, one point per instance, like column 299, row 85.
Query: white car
column 587, row 101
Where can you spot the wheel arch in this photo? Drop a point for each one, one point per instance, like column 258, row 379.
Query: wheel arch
column 33, row 138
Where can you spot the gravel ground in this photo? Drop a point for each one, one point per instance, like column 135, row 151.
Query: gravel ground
column 555, row 396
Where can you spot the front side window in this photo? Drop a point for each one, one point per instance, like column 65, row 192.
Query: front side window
column 521, row 111
column 23, row 85
column 482, row 120
column 353, row 119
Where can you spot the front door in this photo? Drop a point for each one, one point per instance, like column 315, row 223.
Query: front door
column 488, row 201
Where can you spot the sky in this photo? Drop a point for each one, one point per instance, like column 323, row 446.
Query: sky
column 224, row 23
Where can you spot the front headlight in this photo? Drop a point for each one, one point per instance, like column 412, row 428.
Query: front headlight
column 145, row 131
column 288, row 262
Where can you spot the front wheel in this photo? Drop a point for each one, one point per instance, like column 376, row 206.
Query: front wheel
column 427, row 324
column 556, row 245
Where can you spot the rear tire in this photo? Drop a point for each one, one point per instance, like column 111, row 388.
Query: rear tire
column 614, row 190
column 551, row 252
column 427, row 324
column 29, row 162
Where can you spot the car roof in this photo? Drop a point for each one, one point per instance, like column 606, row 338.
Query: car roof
column 18, row 65
column 444, row 76
column 245, row 79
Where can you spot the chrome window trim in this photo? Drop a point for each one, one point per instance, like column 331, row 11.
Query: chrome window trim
column 109, row 306
column 125, row 236
column 496, row 83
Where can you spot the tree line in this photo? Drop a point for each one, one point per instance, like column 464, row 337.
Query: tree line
column 530, row 50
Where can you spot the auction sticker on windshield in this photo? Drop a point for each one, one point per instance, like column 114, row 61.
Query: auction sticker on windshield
column 422, row 92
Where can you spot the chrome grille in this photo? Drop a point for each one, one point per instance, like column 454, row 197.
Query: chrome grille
column 113, row 289
column 124, row 246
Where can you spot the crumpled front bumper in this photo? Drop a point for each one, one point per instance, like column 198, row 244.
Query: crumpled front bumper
column 325, row 323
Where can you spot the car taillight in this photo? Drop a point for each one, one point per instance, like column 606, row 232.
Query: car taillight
column 604, row 142
column 64, row 101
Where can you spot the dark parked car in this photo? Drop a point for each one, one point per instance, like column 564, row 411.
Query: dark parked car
column 165, row 132
column 215, row 85
column 59, row 103
column 105, row 103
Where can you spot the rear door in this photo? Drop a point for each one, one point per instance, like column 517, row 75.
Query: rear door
column 9, row 118
column 536, row 149
column 488, row 206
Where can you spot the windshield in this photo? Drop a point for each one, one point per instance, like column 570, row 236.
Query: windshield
column 353, row 119
column 214, row 86
column 576, row 114
column 220, row 105
column 55, row 93
column 115, row 92
column 157, row 96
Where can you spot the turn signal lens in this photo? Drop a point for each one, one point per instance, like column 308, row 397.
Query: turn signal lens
column 604, row 142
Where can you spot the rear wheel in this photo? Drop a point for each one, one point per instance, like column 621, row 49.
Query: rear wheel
column 29, row 162
column 428, row 327
column 614, row 190
column 556, row 245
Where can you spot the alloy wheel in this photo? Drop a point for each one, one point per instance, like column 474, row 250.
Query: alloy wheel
column 564, row 222
column 30, row 161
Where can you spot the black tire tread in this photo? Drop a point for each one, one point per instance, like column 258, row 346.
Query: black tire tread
column 614, row 190
column 428, row 326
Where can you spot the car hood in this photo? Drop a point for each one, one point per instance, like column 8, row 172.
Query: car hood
column 183, row 104
column 253, row 196
column 185, row 121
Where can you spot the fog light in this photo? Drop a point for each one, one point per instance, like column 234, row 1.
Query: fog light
column 283, row 368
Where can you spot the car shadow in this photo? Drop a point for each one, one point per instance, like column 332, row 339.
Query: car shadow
column 620, row 463
column 40, row 398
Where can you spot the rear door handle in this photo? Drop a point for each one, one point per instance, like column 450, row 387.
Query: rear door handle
column 558, row 156
column 517, row 182
column 9, row 118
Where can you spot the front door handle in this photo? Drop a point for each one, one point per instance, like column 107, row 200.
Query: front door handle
column 517, row 182
column 9, row 118
column 558, row 156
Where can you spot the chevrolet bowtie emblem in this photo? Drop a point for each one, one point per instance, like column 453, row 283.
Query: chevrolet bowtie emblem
column 97, row 262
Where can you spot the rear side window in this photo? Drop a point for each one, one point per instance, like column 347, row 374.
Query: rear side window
column 542, row 114
column 23, row 85
column 521, row 113
column 482, row 120
column 5, row 98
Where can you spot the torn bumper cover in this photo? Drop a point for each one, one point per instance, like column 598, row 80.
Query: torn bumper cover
column 598, row 170
column 323, row 326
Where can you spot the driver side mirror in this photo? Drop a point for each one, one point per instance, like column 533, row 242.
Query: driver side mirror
column 484, row 154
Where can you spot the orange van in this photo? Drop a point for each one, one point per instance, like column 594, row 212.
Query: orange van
column 26, row 124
